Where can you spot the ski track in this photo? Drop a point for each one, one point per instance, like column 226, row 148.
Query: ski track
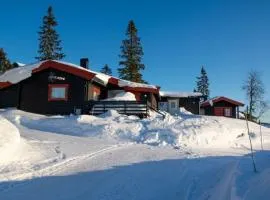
column 53, row 169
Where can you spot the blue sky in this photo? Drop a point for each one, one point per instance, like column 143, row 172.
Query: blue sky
column 228, row 37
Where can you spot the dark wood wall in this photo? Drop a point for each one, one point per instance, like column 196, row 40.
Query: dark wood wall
column 191, row 104
column 9, row 96
column 209, row 110
column 34, row 93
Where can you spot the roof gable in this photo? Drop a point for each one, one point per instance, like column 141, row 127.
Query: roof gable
column 214, row 100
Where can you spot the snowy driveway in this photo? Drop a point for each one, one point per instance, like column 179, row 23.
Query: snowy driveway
column 50, row 165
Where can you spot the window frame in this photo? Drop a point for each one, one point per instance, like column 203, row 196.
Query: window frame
column 229, row 110
column 51, row 86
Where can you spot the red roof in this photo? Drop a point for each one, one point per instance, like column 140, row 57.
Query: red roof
column 86, row 74
column 218, row 99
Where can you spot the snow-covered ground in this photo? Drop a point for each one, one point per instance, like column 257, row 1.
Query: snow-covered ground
column 123, row 157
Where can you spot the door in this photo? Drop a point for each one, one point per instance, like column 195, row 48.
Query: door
column 223, row 111
column 173, row 106
column 218, row 111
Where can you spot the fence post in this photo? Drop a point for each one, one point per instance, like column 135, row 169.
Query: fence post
column 104, row 108
column 146, row 109
column 125, row 107
column 250, row 142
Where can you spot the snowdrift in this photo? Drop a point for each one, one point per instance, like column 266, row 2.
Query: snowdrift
column 9, row 140
column 122, row 96
column 183, row 130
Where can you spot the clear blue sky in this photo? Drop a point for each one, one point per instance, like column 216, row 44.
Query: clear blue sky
column 228, row 37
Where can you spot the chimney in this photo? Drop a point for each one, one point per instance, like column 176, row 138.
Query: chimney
column 84, row 62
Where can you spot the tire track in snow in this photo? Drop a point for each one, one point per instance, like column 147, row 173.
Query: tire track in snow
column 223, row 190
column 53, row 169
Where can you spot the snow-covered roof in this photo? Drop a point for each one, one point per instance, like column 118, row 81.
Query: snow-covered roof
column 179, row 94
column 16, row 75
column 19, row 74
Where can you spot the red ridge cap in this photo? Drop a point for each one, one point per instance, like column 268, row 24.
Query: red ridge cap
column 65, row 68
column 5, row 84
column 141, row 89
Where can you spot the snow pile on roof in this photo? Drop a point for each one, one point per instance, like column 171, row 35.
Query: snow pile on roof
column 9, row 140
column 124, row 83
column 179, row 94
column 122, row 96
column 20, row 64
column 19, row 74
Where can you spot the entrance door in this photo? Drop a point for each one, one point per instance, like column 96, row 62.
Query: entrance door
column 173, row 106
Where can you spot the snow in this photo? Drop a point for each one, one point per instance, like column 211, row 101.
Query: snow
column 124, row 83
column 179, row 94
column 9, row 140
column 18, row 74
column 122, row 96
column 182, row 110
column 113, row 156
column 20, row 64
column 241, row 115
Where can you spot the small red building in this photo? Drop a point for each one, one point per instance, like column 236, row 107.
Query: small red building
column 221, row 106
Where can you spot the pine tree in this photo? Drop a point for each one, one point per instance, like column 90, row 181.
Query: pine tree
column 49, row 42
column 106, row 70
column 4, row 62
column 203, row 83
column 131, row 56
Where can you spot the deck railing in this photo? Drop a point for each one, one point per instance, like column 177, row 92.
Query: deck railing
column 139, row 108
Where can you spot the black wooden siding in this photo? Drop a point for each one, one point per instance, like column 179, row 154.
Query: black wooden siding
column 9, row 96
column 31, row 95
column 34, row 93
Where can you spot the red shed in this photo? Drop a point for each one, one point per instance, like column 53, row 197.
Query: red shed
column 221, row 106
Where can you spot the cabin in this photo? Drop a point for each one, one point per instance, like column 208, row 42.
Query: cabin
column 172, row 101
column 54, row 87
column 221, row 106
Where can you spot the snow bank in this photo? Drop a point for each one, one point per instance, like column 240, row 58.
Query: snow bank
column 184, row 111
column 182, row 130
column 9, row 140
column 122, row 96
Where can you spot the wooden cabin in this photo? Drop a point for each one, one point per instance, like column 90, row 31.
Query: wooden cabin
column 221, row 106
column 172, row 101
column 55, row 87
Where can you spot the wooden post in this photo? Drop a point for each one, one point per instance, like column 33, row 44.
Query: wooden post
column 261, row 134
column 251, row 148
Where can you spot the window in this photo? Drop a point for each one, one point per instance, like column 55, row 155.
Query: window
column 227, row 112
column 58, row 92
column 93, row 92
column 173, row 105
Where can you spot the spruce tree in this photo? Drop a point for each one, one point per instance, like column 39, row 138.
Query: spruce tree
column 106, row 70
column 131, row 56
column 49, row 42
column 203, row 83
column 4, row 62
